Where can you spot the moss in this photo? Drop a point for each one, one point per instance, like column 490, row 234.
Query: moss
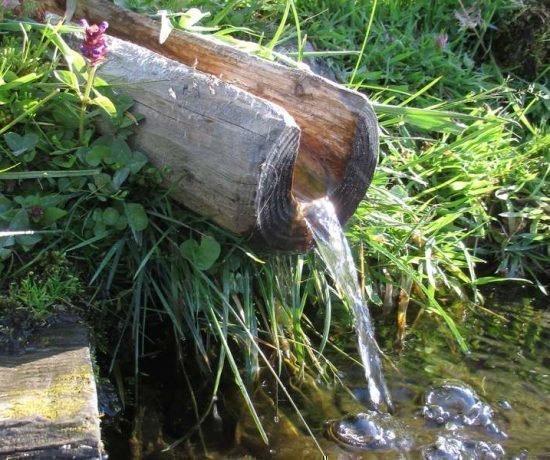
column 66, row 397
column 32, row 298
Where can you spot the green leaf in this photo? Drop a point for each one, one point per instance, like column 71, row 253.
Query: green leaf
column 99, row 229
column 203, row 256
column 70, row 8
column 51, row 215
column 20, row 81
column 5, row 203
column 104, row 183
column 65, row 162
column 137, row 161
column 67, row 77
column 459, row 185
column 20, row 221
column 191, row 17
column 21, row 144
column 137, row 218
column 497, row 279
column 119, row 177
column 105, row 103
column 110, row 216
column 121, row 223
column 97, row 215
column 209, row 252
column 66, row 116
column 48, row 174
column 6, row 241
column 120, row 152
column 96, row 154
column 165, row 26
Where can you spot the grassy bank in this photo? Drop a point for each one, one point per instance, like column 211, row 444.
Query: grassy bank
column 459, row 200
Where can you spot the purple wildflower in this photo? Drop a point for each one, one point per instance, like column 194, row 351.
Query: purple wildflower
column 94, row 47
column 440, row 40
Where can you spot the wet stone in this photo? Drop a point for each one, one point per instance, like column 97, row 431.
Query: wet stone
column 369, row 431
column 107, row 399
column 457, row 405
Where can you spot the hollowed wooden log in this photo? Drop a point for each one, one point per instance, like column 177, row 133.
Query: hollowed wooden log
column 339, row 133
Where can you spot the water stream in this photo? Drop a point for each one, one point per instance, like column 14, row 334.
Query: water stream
column 334, row 249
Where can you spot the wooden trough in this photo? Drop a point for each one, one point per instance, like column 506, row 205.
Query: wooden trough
column 245, row 138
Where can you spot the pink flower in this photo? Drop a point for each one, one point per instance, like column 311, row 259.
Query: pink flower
column 94, row 47
column 440, row 40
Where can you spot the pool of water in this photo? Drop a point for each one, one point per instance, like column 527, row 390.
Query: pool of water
column 493, row 403
column 506, row 377
column 508, row 367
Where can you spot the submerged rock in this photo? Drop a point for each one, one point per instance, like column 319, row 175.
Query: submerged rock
column 369, row 431
column 456, row 404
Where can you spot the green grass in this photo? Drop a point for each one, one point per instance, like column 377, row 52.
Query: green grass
column 51, row 285
column 457, row 137
column 459, row 199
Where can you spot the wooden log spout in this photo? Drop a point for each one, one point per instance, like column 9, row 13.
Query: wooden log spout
column 338, row 142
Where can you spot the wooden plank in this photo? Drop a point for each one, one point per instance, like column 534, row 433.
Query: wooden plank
column 339, row 139
column 217, row 143
column 48, row 402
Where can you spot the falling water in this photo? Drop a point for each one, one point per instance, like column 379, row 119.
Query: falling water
column 333, row 247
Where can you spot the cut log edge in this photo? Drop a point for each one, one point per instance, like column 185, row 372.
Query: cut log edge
column 360, row 167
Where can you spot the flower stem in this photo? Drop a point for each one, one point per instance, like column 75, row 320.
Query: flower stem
column 86, row 100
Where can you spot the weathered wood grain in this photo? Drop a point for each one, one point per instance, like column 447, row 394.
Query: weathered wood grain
column 339, row 132
column 216, row 142
column 48, row 402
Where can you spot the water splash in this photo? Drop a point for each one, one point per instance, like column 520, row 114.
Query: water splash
column 333, row 247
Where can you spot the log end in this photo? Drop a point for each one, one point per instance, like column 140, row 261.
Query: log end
column 335, row 156
column 359, row 168
column 343, row 175
column 279, row 225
